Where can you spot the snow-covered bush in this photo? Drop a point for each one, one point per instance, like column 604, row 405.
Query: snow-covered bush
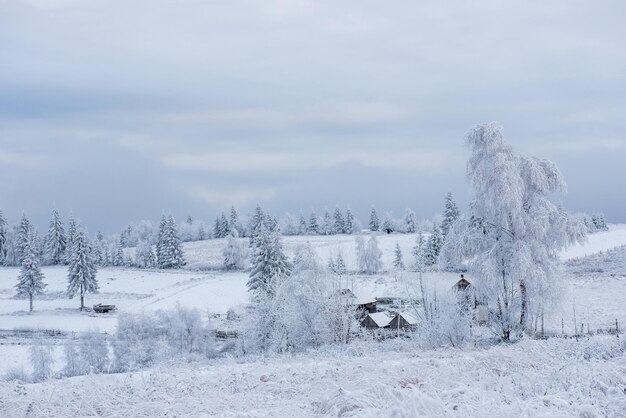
column 142, row 340
column 41, row 361
column 234, row 253
column 94, row 353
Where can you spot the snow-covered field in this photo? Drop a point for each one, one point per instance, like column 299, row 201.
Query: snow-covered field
column 573, row 378
column 558, row 377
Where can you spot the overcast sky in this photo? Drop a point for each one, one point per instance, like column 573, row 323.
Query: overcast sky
column 121, row 110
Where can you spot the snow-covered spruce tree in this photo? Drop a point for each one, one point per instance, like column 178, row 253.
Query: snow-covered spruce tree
column 4, row 236
column 514, row 233
column 224, row 225
column 419, row 258
column 410, row 221
column 234, row 253
column 24, row 237
column 598, row 221
column 327, row 224
column 398, row 262
column 313, row 228
column 450, row 214
column 145, row 257
column 171, row 252
column 302, row 227
column 82, row 269
column 118, row 255
column 433, row 246
column 257, row 219
column 339, row 224
column 218, row 231
column 69, row 239
column 373, row 257
column 349, row 223
column 269, row 263
column 233, row 221
column 30, row 281
column 55, row 240
column 387, row 225
column 161, row 238
column 374, row 222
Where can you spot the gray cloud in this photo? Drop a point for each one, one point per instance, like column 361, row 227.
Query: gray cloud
column 121, row 110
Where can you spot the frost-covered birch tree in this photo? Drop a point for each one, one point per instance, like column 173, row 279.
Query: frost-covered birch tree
column 514, row 233
column 82, row 269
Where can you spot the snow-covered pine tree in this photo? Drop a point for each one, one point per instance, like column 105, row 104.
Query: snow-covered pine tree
column 410, row 221
column 257, row 220
column 269, row 264
column 224, row 225
column 118, row 255
column 217, row 228
column 234, row 252
column 98, row 250
column 69, row 239
column 314, row 228
column 387, row 225
column 302, row 228
column 340, row 265
column 30, row 280
column 350, row 225
column 514, row 233
column 398, row 262
column 55, row 240
column 598, row 221
column 450, row 214
column 327, row 224
column 339, row 226
column 24, row 235
column 233, row 221
column 419, row 259
column 433, row 246
column 172, row 256
column 374, row 222
column 4, row 236
column 161, row 238
column 82, row 269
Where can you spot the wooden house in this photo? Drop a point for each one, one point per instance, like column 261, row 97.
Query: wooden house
column 376, row 320
column 403, row 320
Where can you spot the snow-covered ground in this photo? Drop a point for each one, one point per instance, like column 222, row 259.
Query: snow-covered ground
column 413, row 382
column 558, row 377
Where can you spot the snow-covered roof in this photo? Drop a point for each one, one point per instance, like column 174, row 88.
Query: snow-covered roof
column 382, row 319
column 409, row 317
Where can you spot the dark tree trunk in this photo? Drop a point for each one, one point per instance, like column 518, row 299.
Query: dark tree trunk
column 82, row 298
column 524, row 302
column 31, row 302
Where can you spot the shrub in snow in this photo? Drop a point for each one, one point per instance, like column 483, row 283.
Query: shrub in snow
column 94, row 353
column 234, row 253
column 41, row 361
column 142, row 341
column 16, row 374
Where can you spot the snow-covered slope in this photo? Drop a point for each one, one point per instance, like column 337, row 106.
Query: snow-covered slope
column 532, row 378
column 598, row 242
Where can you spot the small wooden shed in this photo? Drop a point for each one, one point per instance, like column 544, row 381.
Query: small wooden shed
column 403, row 320
column 462, row 284
column 376, row 320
